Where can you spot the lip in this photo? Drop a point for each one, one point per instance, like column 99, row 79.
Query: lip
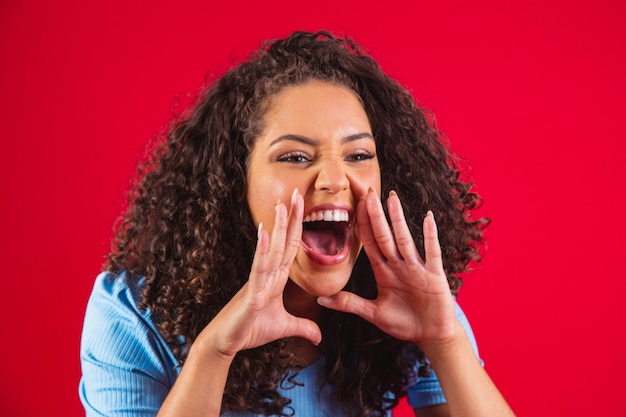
column 330, row 260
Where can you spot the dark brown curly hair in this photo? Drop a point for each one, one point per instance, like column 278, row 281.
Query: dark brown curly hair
column 187, row 238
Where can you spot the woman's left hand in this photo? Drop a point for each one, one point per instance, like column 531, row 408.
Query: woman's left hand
column 414, row 301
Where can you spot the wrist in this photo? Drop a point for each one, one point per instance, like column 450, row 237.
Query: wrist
column 205, row 349
column 452, row 341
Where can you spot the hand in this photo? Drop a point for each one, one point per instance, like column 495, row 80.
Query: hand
column 256, row 314
column 414, row 301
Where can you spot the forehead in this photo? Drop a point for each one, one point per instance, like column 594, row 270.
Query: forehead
column 320, row 107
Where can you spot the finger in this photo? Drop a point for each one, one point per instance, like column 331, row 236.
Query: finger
column 350, row 303
column 380, row 228
column 306, row 329
column 259, row 262
column 294, row 229
column 277, row 240
column 432, row 248
column 367, row 236
column 402, row 233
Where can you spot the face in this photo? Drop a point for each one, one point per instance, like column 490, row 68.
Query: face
column 317, row 139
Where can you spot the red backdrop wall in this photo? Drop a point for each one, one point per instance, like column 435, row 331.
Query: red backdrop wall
column 532, row 95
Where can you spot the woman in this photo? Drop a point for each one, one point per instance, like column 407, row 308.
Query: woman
column 255, row 271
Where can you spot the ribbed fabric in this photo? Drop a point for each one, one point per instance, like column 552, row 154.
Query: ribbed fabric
column 427, row 391
column 128, row 369
column 307, row 399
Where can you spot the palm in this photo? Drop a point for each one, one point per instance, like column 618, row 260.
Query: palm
column 414, row 301
column 256, row 314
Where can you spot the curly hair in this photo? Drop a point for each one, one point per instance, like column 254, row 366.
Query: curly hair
column 187, row 237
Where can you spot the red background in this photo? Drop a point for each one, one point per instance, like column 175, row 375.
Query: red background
column 532, row 95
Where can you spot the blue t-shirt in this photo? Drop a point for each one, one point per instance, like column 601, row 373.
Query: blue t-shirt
column 128, row 369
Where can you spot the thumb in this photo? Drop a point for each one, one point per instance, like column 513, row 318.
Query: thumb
column 307, row 329
column 349, row 303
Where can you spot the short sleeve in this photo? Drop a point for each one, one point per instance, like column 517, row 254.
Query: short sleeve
column 423, row 392
column 127, row 368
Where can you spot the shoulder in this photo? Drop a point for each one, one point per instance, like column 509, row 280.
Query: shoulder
column 113, row 320
column 121, row 349
column 112, row 308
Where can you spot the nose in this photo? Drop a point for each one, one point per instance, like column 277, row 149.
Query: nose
column 332, row 177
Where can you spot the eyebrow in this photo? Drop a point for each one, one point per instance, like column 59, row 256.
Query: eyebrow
column 312, row 142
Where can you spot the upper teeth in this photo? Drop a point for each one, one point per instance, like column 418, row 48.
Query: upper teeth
column 328, row 216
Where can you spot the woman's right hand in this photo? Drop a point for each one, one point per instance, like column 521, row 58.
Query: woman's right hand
column 256, row 314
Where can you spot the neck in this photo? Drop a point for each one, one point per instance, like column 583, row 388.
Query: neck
column 301, row 304
column 305, row 352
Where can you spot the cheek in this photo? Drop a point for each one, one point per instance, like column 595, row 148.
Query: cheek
column 262, row 197
column 376, row 180
column 364, row 180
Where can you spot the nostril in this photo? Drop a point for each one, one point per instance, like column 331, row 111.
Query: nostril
column 332, row 177
column 332, row 181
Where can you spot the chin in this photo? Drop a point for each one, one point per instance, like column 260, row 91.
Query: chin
column 327, row 290
column 322, row 281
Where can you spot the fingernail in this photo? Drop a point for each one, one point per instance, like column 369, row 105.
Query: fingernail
column 258, row 232
column 430, row 214
column 293, row 196
column 276, row 206
column 392, row 192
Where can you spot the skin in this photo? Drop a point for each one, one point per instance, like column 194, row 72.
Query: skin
column 285, row 286
column 328, row 154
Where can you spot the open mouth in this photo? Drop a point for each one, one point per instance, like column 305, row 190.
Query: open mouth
column 325, row 235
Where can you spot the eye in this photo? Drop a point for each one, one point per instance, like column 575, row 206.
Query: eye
column 294, row 157
column 360, row 155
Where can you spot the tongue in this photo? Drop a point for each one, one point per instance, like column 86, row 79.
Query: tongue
column 323, row 241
